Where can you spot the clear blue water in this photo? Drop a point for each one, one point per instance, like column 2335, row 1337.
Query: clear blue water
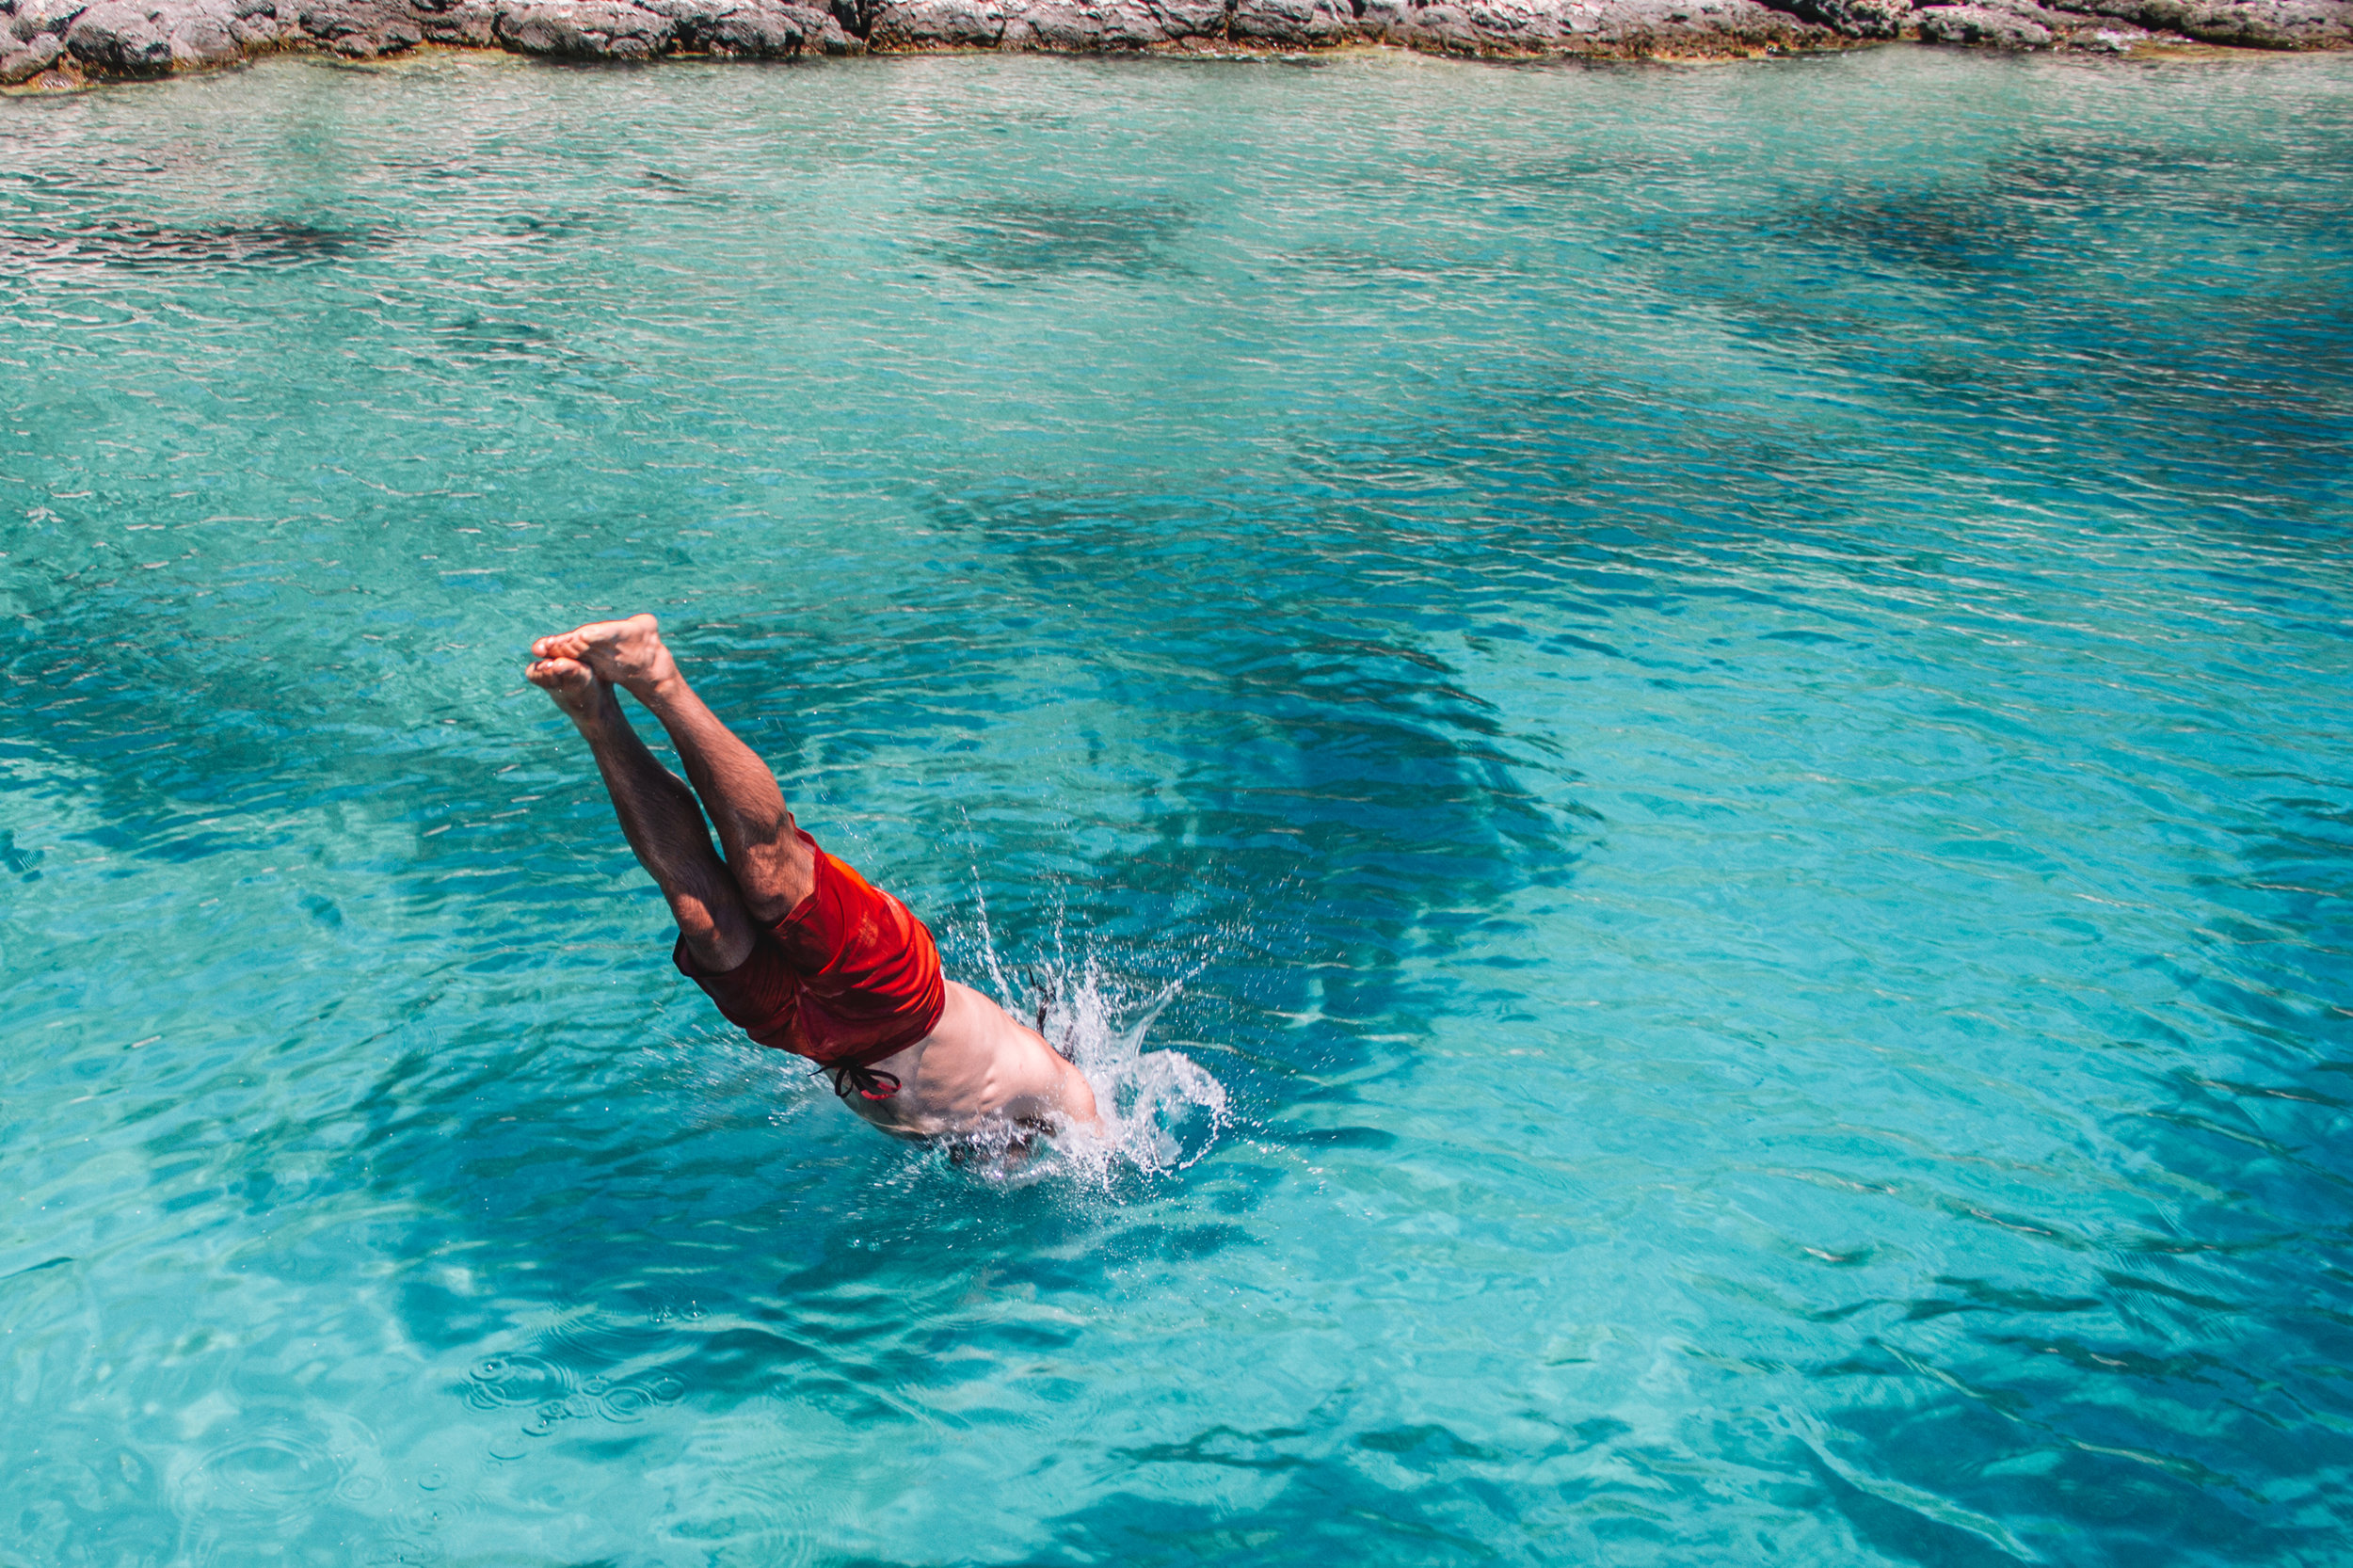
column 1715, row 700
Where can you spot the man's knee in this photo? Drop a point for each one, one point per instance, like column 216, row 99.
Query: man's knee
column 776, row 874
column 717, row 934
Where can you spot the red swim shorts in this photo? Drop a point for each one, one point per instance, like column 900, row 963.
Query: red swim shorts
column 849, row 977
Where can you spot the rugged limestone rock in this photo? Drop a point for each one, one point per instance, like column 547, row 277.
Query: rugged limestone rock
column 360, row 29
column 1072, row 26
column 2091, row 24
column 37, row 17
column 2243, row 23
column 29, row 60
column 61, row 39
column 1480, row 27
column 119, row 38
column 587, row 30
column 935, row 24
column 1982, row 24
column 465, row 23
column 1859, row 19
column 752, row 29
column 1293, row 21
column 200, row 35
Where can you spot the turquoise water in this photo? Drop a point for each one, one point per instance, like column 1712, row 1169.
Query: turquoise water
column 1712, row 704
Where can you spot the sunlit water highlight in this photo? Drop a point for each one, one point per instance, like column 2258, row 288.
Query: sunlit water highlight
column 1679, row 737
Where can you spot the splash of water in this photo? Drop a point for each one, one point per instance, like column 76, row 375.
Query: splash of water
column 1162, row 1111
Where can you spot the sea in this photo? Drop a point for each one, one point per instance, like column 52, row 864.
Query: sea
column 1677, row 738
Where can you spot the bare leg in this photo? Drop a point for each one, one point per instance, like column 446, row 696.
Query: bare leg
column 773, row 866
column 978, row 1066
column 658, row 816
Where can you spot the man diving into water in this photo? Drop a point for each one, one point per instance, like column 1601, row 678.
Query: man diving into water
column 791, row 944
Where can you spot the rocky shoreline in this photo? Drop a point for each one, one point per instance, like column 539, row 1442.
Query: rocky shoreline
column 64, row 44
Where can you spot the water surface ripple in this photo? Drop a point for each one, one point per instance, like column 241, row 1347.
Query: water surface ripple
column 1724, row 694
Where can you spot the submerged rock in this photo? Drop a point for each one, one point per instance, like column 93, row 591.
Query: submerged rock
column 149, row 38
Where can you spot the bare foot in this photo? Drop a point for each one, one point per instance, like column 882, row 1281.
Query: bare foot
column 626, row 653
column 574, row 686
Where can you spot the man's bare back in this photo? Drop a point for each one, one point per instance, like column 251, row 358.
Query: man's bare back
column 857, row 994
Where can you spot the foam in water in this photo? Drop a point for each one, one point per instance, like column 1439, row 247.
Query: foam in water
column 1164, row 1111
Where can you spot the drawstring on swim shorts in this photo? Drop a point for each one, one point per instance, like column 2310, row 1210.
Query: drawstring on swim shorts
column 866, row 1080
